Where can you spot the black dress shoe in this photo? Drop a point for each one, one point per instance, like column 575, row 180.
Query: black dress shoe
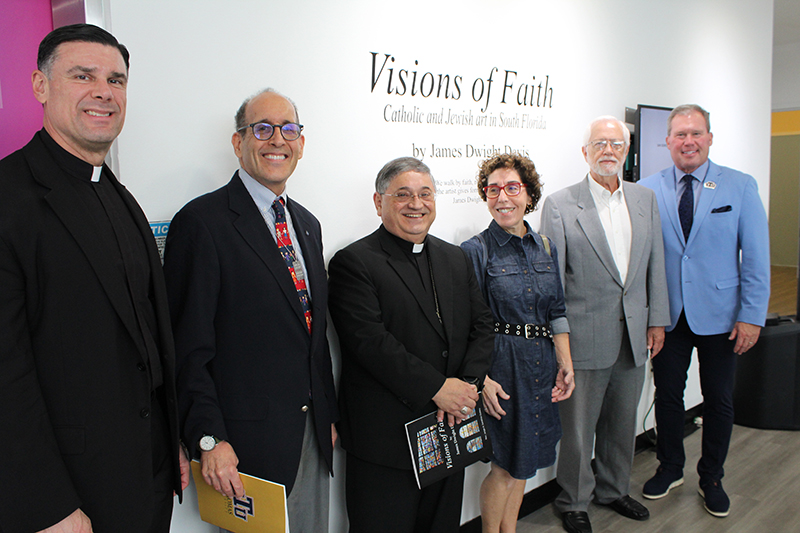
column 576, row 522
column 630, row 508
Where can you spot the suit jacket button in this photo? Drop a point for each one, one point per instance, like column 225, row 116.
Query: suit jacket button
column 144, row 413
column 304, row 408
column 445, row 354
column 141, row 366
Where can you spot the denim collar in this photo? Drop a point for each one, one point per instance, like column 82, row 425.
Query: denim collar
column 502, row 236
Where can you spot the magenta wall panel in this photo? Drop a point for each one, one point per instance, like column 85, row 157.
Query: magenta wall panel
column 23, row 23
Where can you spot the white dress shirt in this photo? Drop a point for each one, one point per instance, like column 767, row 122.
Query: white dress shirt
column 616, row 222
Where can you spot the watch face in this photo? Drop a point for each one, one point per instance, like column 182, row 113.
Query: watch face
column 207, row 443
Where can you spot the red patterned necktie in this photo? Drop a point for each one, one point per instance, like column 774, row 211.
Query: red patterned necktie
column 290, row 258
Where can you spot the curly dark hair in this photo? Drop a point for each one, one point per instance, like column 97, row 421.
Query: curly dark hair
column 524, row 167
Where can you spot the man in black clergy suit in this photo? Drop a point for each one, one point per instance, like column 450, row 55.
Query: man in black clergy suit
column 87, row 393
column 248, row 295
column 416, row 336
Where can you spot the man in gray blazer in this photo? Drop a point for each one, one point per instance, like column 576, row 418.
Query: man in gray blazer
column 609, row 236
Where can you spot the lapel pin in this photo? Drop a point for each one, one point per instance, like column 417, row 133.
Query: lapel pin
column 709, row 185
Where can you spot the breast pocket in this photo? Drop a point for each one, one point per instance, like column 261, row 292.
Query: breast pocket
column 546, row 276
column 504, row 281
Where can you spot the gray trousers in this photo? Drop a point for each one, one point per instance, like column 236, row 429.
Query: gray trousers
column 308, row 503
column 604, row 406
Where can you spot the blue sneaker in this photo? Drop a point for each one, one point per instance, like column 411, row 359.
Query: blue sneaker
column 659, row 485
column 716, row 501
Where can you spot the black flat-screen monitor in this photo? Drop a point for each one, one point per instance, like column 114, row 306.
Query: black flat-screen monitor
column 649, row 141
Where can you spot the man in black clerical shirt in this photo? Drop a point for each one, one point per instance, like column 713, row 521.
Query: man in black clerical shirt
column 416, row 337
column 87, row 394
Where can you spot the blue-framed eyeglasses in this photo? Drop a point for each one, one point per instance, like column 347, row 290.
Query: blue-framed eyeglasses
column 264, row 132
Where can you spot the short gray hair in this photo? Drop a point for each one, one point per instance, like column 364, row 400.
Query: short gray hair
column 626, row 133
column 241, row 113
column 686, row 110
column 396, row 167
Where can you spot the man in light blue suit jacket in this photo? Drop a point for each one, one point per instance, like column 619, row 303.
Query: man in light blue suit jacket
column 716, row 246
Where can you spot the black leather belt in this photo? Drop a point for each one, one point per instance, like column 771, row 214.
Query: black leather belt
column 529, row 331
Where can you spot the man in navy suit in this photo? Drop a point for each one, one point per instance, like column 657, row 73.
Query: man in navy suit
column 716, row 246
column 248, row 295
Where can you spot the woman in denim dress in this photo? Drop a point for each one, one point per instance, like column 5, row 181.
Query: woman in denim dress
column 531, row 367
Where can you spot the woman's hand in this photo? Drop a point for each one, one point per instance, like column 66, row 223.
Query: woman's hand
column 565, row 384
column 565, row 378
column 491, row 390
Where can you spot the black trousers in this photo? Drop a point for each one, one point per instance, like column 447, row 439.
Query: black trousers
column 717, row 370
column 385, row 499
column 163, row 465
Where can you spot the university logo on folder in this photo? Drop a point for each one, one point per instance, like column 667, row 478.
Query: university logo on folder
column 262, row 510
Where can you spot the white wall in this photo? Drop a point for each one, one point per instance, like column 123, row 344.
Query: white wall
column 193, row 62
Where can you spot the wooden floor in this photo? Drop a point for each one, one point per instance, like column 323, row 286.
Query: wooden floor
column 762, row 475
column 783, row 295
column 762, row 480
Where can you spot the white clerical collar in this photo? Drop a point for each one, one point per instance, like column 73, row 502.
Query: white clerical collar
column 96, row 171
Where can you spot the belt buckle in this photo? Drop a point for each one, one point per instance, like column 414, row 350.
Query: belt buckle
column 529, row 331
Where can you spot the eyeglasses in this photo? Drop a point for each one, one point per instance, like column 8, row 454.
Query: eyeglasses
column 404, row 197
column 512, row 189
column 264, row 132
column 617, row 146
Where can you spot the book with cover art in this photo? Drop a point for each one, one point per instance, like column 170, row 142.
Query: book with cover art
column 262, row 510
column 438, row 450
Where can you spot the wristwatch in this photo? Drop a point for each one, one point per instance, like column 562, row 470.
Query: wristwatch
column 208, row 443
column 473, row 381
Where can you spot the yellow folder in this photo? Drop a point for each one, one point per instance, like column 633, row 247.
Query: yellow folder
column 262, row 510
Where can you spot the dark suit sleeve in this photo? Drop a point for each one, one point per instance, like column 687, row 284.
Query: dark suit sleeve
column 35, row 486
column 355, row 306
column 481, row 331
column 476, row 254
column 192, row 272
